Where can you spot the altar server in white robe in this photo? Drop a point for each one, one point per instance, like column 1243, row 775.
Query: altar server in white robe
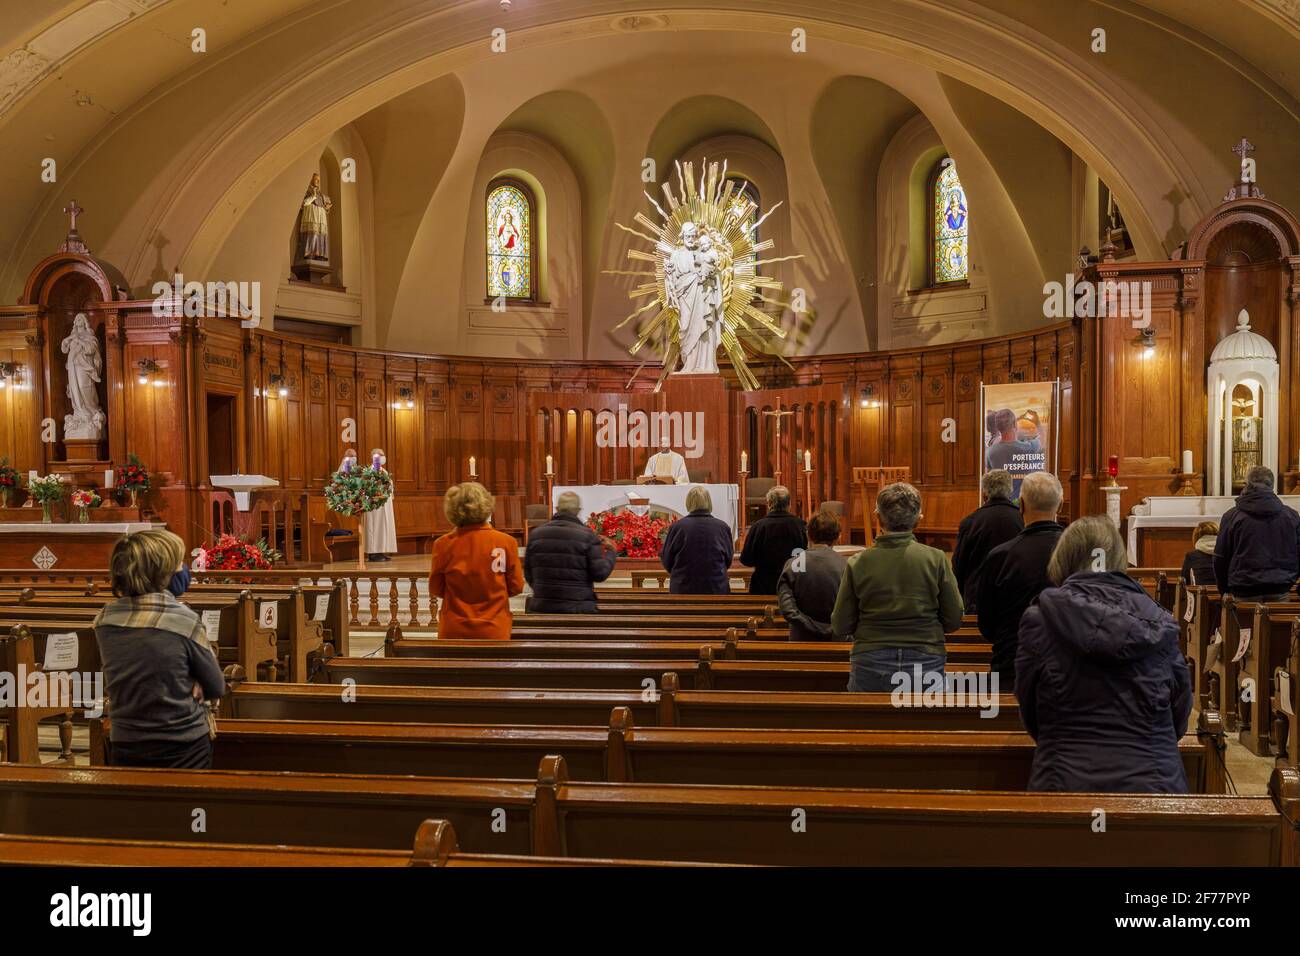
column 380, row 526
column 668, row 466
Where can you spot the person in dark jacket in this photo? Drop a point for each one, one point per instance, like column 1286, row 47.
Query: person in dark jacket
column 698, row 549
column 810, row 582
column 564, row 559
column 771, row 541
column 1257, row 554
column 1198, row 563
column 158, row 667
column 1016, row 571
column 1103, row 688
column 996, row 520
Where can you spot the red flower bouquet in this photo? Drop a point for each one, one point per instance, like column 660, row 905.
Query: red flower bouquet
column 637, row 536
column 232, row 554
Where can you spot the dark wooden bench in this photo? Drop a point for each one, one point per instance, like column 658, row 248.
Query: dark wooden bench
column 550, row 815
column 1268, row 649
column 730, row 648
column 952, row 760
column 668, row 707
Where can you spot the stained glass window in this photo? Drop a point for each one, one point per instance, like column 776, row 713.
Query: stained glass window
column 738, row 198
column 951, row 223
column 509, row 241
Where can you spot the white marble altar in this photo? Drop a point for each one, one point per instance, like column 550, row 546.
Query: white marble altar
column 726, row 499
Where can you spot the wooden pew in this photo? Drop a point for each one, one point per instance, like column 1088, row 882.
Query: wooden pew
column 19, row 723
column 923, row 760
column 703, row 673
column 1201, row 634
column 643, row 577
column 550, row 815
column 435, row 845
column 1269, row 644
column 1286, row 729
column 669, row 707
column 730, row 648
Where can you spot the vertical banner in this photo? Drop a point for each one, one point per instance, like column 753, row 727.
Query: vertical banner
column 1020, row 429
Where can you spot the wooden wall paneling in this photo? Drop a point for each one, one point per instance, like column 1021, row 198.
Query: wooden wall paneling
column 467, row 423
column 965, row 409
column 374, row 405
column 936, row 410
column 903, row 420
column 20, row 436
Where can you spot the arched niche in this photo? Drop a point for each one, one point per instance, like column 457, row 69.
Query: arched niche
column 1242, row 420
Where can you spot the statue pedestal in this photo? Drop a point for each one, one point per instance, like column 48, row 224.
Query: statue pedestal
column 1112, row 504
column 315, row 272
column 82, row 449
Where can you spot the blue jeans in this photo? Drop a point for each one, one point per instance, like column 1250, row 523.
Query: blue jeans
column 872, row 672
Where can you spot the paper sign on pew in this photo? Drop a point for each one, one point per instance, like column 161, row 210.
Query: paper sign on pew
column 212, row 628
column 1190, row 613
column 1243, row 644
column 322, row 607
column 1284, row 692
column 1212, row 652
column 268, row 614
column 61, row 652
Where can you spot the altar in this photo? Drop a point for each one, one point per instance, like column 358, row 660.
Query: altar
column 672, row 498
column 73, row 546
column 1160, row 528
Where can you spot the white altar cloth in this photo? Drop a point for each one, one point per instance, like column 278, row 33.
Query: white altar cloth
column 1180, row 511
column 726, row 499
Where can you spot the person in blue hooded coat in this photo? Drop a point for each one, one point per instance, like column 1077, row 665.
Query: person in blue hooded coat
column 1102, row 686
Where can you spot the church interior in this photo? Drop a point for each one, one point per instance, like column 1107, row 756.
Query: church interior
column 290, row 278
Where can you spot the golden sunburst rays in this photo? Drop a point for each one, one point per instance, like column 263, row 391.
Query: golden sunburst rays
column 717, row 207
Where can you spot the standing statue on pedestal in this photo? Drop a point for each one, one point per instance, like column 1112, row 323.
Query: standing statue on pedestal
column 692, row 287
column 85, row 366
column 708, row 292
column 314, row 226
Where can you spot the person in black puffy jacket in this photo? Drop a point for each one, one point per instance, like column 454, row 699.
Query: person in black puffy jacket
column 1257, row 553
column 563, row 561
column 772, row 540
column 996, row 521
column 1103, row 688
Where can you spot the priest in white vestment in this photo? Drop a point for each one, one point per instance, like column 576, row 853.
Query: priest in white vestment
column 380, row 526
column 668, row 467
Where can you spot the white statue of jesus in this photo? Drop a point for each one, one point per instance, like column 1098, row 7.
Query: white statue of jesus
column 84, row 371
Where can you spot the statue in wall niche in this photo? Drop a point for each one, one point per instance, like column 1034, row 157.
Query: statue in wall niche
column 85, row 368
column 313, row 225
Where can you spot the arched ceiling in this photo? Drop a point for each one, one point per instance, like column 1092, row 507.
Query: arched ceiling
column 164, row 144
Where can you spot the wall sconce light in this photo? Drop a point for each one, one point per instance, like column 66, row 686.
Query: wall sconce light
column 869, row 399
column 9, row 371
column 277, row 383
column 405, row 397
column 1148, row 343
column 149, row 373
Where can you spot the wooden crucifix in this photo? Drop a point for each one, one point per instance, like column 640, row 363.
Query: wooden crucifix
column 778, row 414
column 72, row 242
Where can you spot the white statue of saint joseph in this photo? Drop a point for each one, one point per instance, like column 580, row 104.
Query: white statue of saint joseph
column 691, row 286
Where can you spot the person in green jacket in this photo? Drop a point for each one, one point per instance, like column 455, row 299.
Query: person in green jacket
column 897, row 599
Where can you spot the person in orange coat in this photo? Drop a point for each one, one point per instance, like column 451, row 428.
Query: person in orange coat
column 475, row 569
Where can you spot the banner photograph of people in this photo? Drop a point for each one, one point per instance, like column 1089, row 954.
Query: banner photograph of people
column 1019, row 429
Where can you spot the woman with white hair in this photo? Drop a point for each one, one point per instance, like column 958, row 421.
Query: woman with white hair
column 698, row 548
column 1103, row 688
column 380, row 525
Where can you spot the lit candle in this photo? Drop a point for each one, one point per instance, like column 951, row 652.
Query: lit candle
column 473, row 472
column 550, row 465
column 1113, row 467
column 807, row 461
column 1187, row 461
column 744, row 461
column 108, row 477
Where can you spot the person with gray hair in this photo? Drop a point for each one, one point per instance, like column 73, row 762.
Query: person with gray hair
column 996, row 520
column 1257, row 552
column 698, row 548
column 565, row 560
column 897, row 600
column 1014, row 573
column 1103, row 688
column 771, row 540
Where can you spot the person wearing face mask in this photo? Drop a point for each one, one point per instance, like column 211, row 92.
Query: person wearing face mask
column 380, row 527
column 1015, row 573
column 158, row 668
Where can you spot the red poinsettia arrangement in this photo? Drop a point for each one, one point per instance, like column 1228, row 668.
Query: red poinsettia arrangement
column 133, row 476
column 232, row 554
column 637, row 536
